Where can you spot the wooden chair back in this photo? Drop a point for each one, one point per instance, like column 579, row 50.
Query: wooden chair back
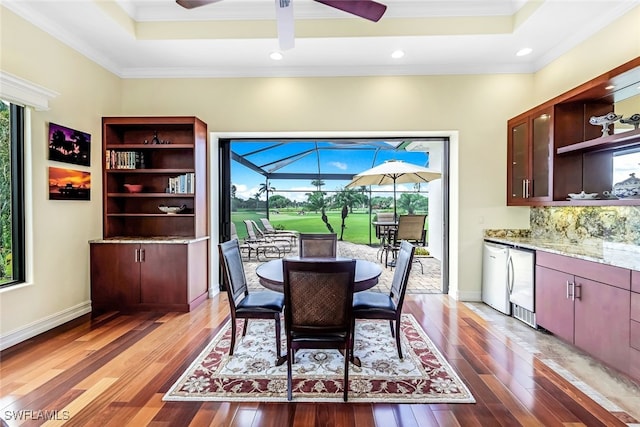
column 318, row 245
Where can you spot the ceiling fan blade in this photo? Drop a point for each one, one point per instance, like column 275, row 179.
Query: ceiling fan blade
column 367, row 9
column 284, row 19
column 190, row 4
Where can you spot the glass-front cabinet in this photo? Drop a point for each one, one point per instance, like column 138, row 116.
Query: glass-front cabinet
column 560, row 153
column 529, row 153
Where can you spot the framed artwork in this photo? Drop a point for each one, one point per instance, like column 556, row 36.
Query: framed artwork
column 69, row 145
column 69, row 184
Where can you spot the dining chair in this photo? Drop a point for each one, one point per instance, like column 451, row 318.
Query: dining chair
column 245, row 305
column 376, row 305
column 318, row 245
column 318, row 296
column 411, row 229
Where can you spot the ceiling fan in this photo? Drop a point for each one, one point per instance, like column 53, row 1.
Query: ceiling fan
column 367, row 9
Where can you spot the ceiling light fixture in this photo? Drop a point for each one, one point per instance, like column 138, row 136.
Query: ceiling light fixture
column 524, row 51
column 276, row 56
column 397, row 54
column 609, row 87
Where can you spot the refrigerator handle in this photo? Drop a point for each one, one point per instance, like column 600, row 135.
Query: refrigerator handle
column 510, row 274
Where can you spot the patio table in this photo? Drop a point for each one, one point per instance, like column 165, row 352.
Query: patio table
column 270, row 273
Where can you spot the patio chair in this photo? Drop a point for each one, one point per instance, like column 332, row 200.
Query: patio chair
column 264, row 245
column 245, row 305
column 318, row 245
column 376, row 305
column 269, row 230
column 383, row 231
column 411, row 229
column 245, row 247
column 286, row 242
column 319, row 298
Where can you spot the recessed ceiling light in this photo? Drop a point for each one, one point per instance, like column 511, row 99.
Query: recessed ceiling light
column 524, row 51
column 397, row 54
column 609, row 87
column 276, row 56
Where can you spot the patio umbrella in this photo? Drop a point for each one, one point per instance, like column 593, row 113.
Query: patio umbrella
column 394, row 172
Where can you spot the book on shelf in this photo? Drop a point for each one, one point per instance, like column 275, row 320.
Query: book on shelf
column 182, row 184
column 115, row 159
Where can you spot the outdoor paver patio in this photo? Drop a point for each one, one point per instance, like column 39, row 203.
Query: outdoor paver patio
column 429, row 282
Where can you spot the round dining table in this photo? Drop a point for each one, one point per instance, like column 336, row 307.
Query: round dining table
column 271, row 277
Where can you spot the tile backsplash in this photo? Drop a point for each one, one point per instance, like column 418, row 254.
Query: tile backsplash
column 619, row 224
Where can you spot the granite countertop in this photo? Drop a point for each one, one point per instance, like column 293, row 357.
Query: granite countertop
column 611, row 253
column 159, row 239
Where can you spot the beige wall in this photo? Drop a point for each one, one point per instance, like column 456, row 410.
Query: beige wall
column 58, row 287
column 474, row 108
column 477, row 107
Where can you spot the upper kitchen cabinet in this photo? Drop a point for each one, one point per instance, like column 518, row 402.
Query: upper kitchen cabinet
column 530, row 161
column 553, row 150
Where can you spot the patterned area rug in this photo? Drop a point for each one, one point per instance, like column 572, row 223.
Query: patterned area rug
column 423, row 376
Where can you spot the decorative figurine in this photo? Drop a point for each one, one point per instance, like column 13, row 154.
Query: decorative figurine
column 604, row 121
column 633, row 120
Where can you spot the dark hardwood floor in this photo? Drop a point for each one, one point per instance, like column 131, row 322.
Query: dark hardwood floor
column 114, row 369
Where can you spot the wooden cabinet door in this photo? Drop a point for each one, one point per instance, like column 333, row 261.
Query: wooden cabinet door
column 115, row 275
column 602, row 315
column 554, row 306
column 518, row 157
column 163, row 274
column 541, row 155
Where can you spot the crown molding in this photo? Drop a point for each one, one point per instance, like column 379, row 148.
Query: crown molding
column 23, row 92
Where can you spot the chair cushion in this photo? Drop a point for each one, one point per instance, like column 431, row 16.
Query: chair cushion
column 364, row 301
column 267, row 300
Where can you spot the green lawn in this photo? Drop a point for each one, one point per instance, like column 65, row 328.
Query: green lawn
column 357, row 224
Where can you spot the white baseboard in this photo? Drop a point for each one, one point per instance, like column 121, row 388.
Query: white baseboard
column 43, row 325
column 468, row 296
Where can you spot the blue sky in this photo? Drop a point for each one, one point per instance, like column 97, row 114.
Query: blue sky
column 348, row 159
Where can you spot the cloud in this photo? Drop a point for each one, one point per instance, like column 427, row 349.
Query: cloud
column 339, row 165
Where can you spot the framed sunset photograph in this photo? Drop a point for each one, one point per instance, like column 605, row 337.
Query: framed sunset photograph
column 69, row 145
column 69, row 184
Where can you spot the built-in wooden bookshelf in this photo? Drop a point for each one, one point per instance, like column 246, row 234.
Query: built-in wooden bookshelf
column 149, row 259
column 134, row 156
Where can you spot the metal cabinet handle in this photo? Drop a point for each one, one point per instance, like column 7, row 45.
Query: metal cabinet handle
column 142, row 257
column 527, row 194
column 136, row 256
column 575, row 291
column 524, row 188
column 568, row 293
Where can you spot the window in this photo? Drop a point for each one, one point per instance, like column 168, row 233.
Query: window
column 12, row 254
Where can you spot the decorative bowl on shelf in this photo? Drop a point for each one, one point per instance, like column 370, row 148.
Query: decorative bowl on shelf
column 133, row 188
column 629, row 188
column 582, row 196
column 172, row 210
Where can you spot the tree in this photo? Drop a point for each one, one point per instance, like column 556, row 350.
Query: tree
column 412, row 202
column 348, row 197
column 5, row 193
column 266, row 189
column 279, row 202
column 318, row 183
column 315, row 201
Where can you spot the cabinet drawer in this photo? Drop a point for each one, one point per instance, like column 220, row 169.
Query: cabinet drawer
column 635, row 334
column 635, row 281
column 635, row 306
column 603, row 273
